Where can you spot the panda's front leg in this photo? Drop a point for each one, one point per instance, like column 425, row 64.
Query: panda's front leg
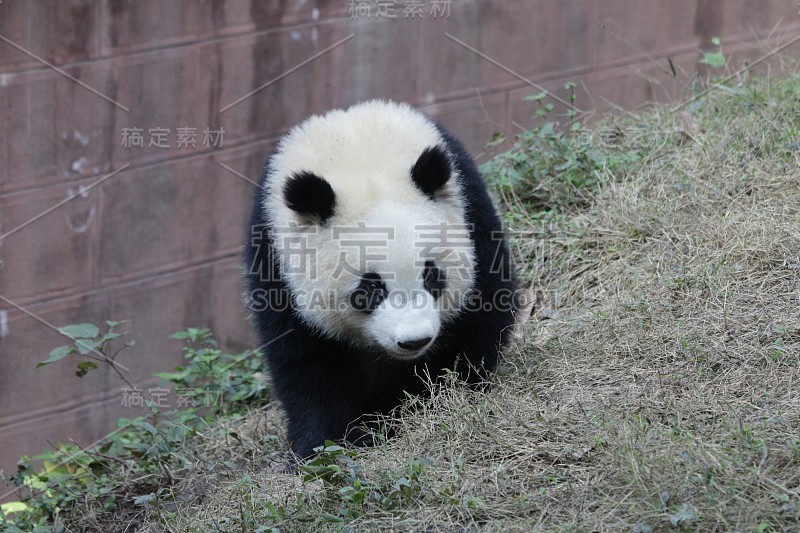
column 320, row 398
column 480, row 339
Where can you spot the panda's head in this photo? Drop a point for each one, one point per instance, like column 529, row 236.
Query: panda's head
column 366, row 212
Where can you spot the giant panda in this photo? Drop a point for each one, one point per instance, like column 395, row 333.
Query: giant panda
column 375, row 262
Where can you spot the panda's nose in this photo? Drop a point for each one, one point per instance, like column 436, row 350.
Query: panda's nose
column 415, row 344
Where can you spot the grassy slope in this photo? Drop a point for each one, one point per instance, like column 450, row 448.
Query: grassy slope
column 657, row 385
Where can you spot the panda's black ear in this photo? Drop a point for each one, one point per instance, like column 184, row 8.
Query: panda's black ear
column 309, row 196
column 431, row 171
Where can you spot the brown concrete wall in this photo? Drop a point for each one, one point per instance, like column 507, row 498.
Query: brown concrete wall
column 158, row 243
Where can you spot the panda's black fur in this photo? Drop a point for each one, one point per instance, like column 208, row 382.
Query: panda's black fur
column 325, row 385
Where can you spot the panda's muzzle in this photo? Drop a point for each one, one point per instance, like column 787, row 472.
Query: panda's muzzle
column 414, row 345
column 404, row 324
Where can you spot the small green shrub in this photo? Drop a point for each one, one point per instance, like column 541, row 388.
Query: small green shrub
column 223, row 382
column 714, row 59
column 132, row 466
column 552, row 170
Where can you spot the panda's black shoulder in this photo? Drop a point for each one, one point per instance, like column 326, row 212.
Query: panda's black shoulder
column 495, row 269
column 480, row 208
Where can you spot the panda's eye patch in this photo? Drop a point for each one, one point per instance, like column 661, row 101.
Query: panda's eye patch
column 369, row 294
column 433, row 279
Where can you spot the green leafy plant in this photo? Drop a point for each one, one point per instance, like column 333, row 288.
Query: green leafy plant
column 211, row 378
column 550, row 169
column 346, row 494
column 554, row 172
column 133, row 466
column 92, row 346
column 714, row 59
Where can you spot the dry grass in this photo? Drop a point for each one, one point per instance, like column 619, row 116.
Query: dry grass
column 657, row 386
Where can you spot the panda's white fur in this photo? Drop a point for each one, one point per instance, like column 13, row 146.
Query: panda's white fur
column 365, row 153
